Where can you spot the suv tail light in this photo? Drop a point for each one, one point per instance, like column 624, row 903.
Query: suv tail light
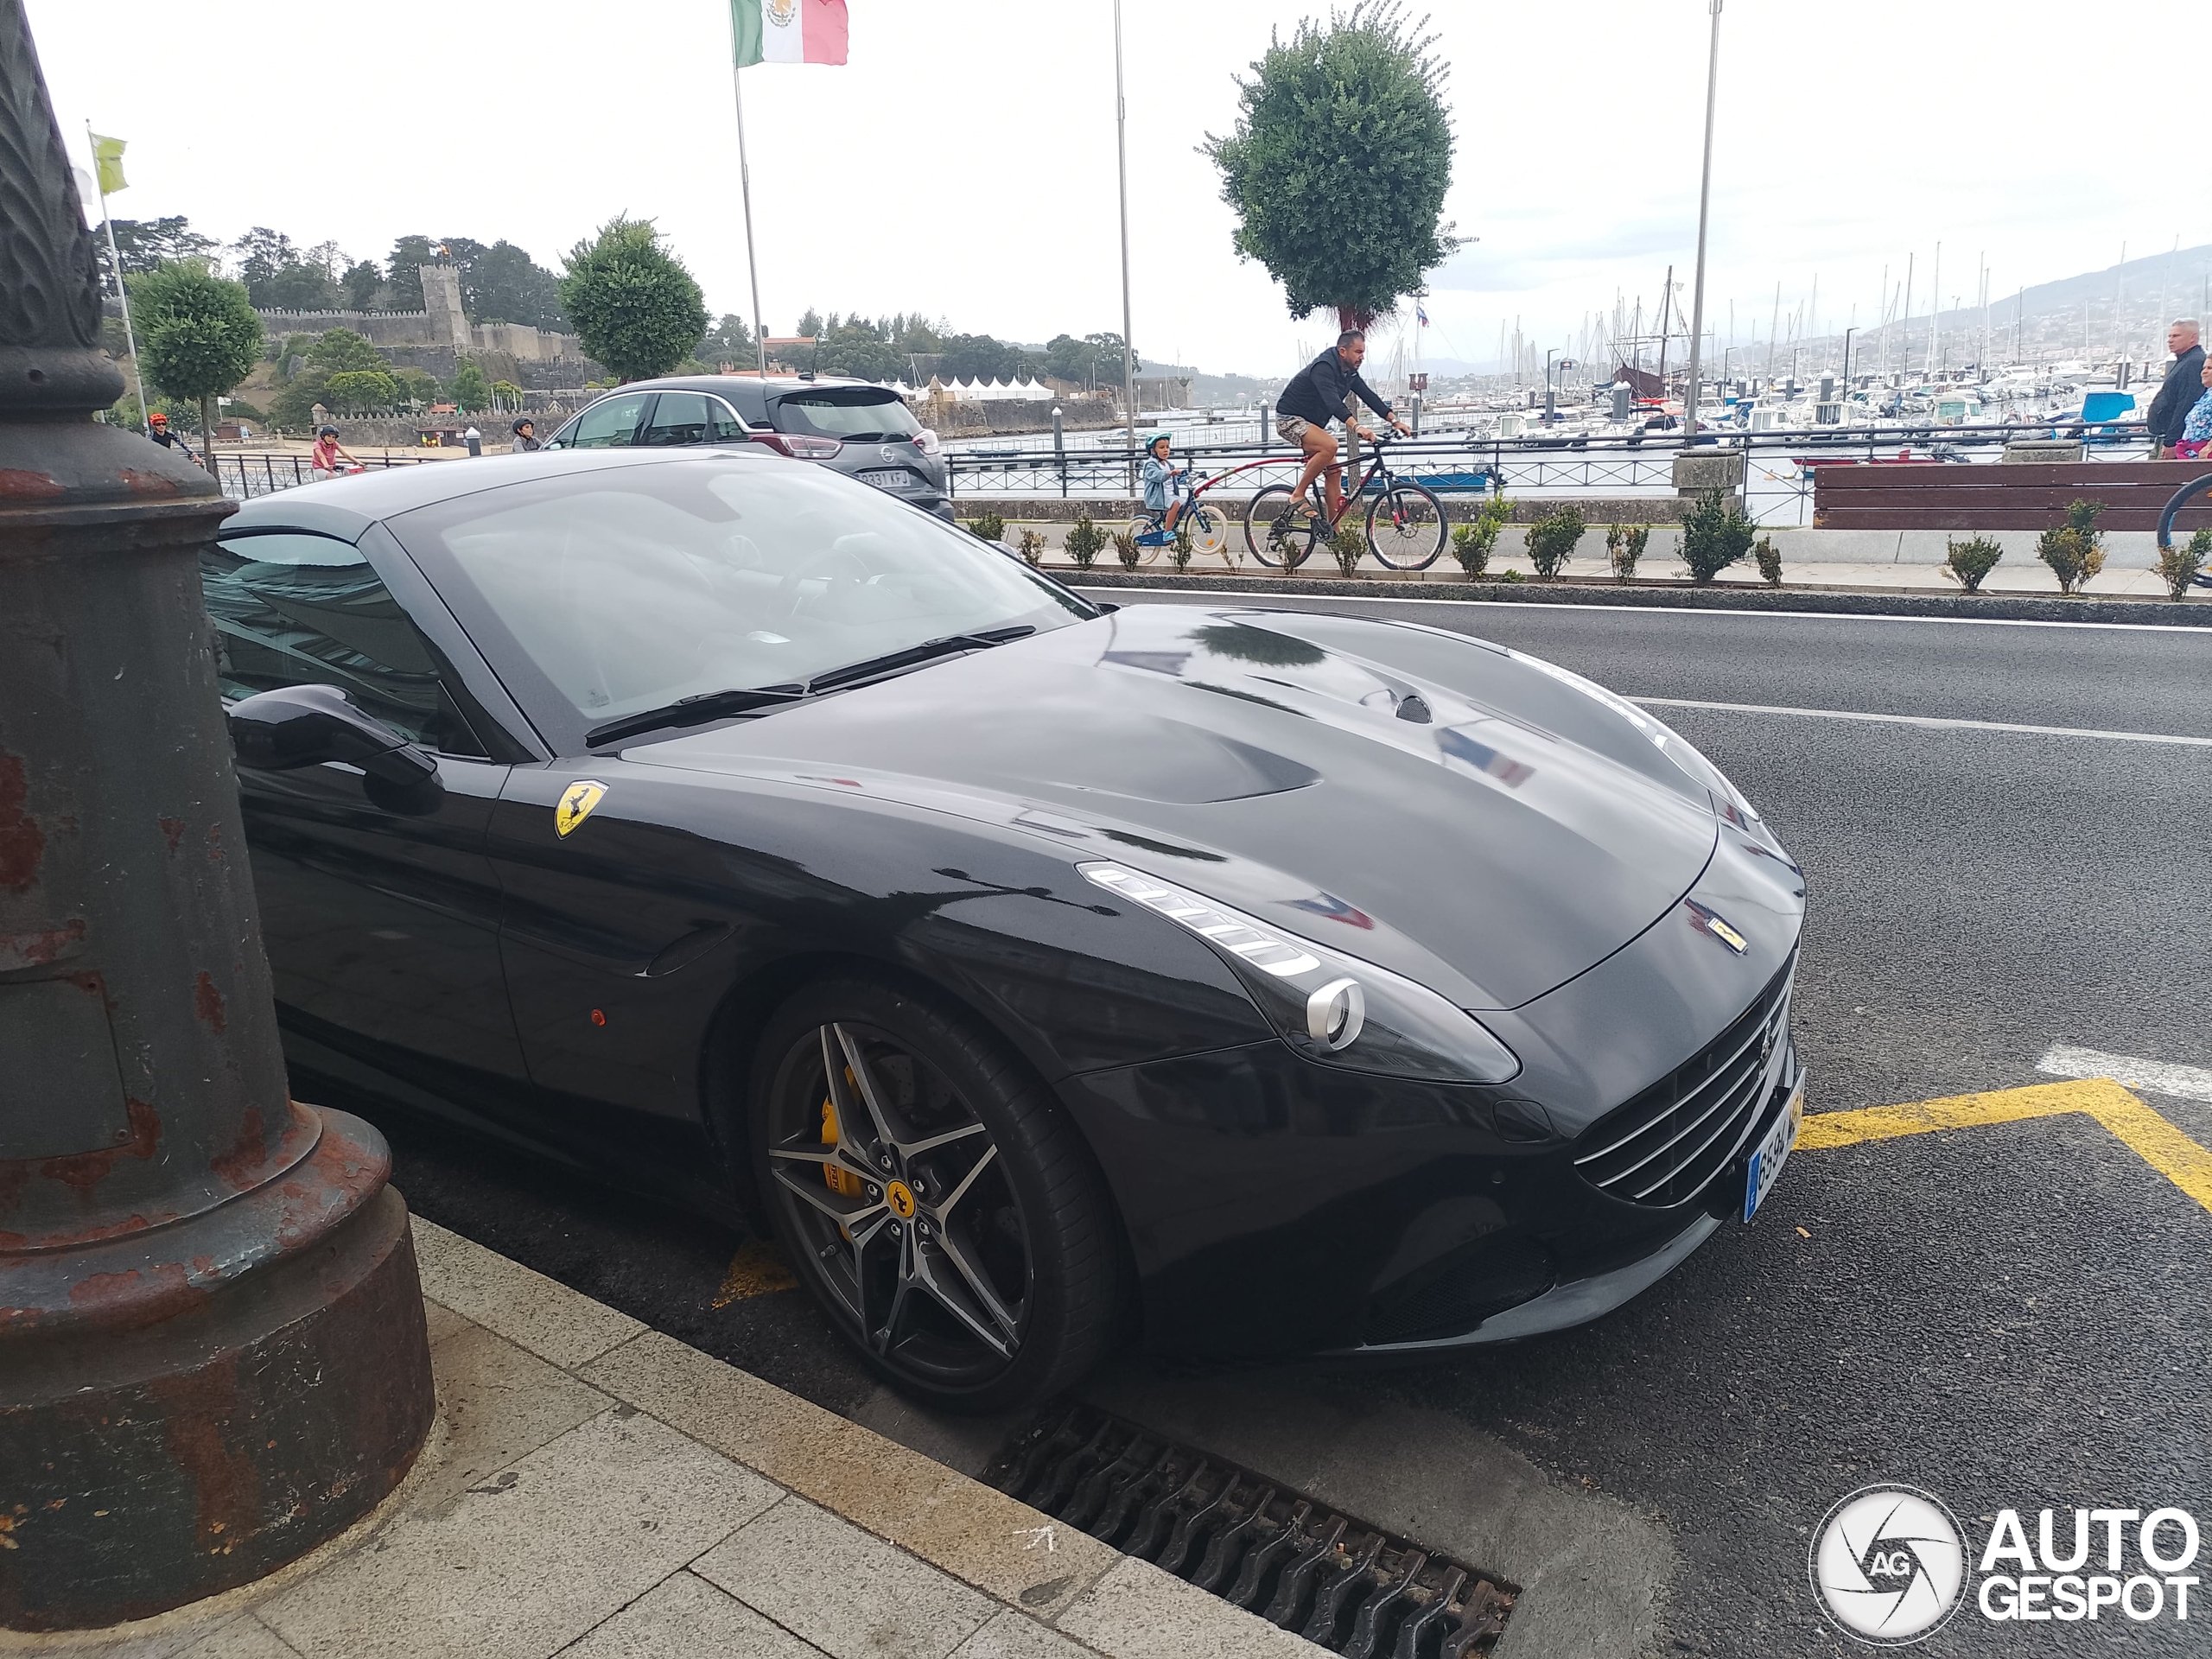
column 799, row 448
column 927, row 441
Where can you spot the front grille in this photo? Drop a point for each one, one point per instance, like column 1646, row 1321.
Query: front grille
column 1341, row 1583
column 1666, row 1146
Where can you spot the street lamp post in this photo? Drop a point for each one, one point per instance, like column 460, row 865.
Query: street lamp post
column 1704, row 209
column 211, row 1346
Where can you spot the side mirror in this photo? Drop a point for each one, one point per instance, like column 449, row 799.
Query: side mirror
column 296, row 726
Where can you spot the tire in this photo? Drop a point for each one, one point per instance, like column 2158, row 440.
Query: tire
column 1293, row 546
column 1406, row 526
column 976, row 1280
column 1209, row 530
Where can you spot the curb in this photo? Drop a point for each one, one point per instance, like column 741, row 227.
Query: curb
column 1989, row 607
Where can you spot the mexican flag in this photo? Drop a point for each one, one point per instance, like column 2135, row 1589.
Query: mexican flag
column 788, row 31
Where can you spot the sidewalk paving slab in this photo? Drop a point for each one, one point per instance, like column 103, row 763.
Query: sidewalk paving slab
column 595, row 1490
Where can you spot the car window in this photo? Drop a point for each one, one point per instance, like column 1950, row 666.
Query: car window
column 621, row 590
column 295, row 609
column 677, row 417
column 610, row 423
column 857, row 414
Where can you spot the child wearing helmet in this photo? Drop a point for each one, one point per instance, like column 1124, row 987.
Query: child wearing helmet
column 1166, row 486
column 157, row 429
column 327, row 450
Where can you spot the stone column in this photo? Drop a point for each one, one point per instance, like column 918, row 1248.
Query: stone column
column 212, row 1347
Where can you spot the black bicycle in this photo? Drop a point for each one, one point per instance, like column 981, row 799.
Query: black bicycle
column 1406, row 523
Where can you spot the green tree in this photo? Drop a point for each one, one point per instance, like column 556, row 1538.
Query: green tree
column 357, row 390
column 299, row 287
column 336, row 350
column 361, row 281
column 729, row 341
column 502, row 283
column 1338, row 163
column 506, row 394
column 409, row 254
column 198, row 335
column 1089, row 361
column 811, row 325
column 470, row 389
column 415, row 385
column 145, row 243
column 636, row 308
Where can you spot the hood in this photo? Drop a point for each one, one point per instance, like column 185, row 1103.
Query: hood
column 1461, row 814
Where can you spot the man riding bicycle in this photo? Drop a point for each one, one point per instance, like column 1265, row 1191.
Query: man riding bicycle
column 1318, row 393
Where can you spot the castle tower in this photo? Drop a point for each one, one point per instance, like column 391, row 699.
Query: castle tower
column 442, row 302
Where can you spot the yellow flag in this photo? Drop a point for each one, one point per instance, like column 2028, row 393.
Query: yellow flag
column 107, row 156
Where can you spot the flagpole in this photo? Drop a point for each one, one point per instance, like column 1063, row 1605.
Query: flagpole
column 115, row 263
column 1128, row 351
column 745, row 189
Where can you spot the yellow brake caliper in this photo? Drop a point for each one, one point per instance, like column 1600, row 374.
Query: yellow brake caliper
column 842, row 1182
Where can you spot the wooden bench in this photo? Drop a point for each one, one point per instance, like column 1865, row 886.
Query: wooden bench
column 2025, row 496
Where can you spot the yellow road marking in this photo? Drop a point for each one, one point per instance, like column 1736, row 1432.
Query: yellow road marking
column 2145, row 1132
column 755, row 1270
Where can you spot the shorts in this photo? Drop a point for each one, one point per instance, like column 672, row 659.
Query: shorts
column 1291, row 429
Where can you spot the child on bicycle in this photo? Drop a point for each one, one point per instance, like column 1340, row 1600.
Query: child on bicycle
column 1167, row 487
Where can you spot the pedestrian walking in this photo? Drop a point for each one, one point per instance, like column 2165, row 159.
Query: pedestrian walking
column 525, row 431
column 158, row 427
column 327, row 452
column 2178, row 395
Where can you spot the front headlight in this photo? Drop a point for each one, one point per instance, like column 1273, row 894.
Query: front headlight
column 1328, row 1006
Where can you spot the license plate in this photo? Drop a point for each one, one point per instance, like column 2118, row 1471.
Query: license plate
column 1769, row 1155
column 890, row 478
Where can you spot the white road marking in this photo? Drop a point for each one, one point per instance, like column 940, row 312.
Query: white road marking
column 1935, row 720
column 2152, row 1077
column 1260, row 602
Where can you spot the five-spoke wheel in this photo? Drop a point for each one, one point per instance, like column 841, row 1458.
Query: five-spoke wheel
column 929, row 1195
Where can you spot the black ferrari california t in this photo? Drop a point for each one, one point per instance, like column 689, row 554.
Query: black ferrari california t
column 1039, row 972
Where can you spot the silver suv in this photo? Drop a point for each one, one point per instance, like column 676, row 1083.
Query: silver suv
column 859, row 429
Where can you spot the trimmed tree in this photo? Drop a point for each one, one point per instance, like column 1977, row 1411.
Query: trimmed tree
column 198, row 337
column 1339, row 161
column 470, row 389
column 635, row 306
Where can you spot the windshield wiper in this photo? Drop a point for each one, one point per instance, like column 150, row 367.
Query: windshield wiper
column 696, row 711
column 915, row 655
column 721, row 705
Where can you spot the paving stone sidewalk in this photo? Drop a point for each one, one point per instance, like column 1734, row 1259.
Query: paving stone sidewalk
column 595, row 1490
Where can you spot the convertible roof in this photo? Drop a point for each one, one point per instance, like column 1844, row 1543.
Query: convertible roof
column 346, row 507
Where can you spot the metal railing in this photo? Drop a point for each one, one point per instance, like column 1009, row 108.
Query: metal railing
column 243, row 477
column 1627, row 464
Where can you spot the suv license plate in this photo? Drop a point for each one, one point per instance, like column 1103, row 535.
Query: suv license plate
column 1774, row 1152
column 888, row 478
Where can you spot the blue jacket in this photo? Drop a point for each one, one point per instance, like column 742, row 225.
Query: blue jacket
column 1160, row 483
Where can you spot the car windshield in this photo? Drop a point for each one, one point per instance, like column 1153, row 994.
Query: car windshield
column 857, row 414
column 621, row 590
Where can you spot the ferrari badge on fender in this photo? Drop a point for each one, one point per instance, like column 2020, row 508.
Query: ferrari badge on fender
column 576, row 803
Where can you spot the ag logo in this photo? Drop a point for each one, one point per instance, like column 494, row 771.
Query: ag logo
column 577, row 802
column 1888, row 1565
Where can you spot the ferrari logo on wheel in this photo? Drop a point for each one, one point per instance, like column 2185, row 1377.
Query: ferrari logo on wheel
column 576, row 803
column 902, row 1200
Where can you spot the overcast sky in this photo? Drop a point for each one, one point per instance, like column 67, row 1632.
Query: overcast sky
column 963, row 164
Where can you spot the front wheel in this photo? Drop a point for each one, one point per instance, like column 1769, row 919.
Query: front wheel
column 1209, row 530
column 932, row 1198
column 1406, row 526
column 1283, row 546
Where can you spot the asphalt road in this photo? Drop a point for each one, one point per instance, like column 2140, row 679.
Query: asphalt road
column 2011, row 1316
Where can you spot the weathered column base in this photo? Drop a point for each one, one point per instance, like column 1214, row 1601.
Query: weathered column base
column 187, row 1407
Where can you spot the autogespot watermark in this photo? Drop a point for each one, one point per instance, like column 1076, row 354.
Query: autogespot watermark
column 1892, row 1565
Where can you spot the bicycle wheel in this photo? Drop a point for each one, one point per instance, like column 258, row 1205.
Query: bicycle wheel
column 1406, row 526
column 1144, row 525
column 1292, row 545
column 1209, row 530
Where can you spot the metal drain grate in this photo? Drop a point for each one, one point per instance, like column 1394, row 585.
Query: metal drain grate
column 1334, row 1580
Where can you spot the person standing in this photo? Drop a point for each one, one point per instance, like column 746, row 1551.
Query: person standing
column 2178, row 395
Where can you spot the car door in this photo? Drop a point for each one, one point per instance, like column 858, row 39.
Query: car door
column 610, row 423
column 382, row 926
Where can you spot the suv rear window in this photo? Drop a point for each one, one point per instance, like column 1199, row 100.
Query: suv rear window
column 856, row 414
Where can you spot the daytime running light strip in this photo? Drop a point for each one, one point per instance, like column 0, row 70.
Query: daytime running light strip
column 1265, row 951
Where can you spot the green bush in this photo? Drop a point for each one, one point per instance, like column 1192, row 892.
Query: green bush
column 1715, row 535
column 1552, row 539
column 1126, row 549
column 1032, row 547
column 1084, row 543
column 1511, row 575
column 2179, row 567
column 989, row 526
column 2076, row 550
column 1347, row 547
column 1472, row 544
column 1770, row 561
column 1968, row 561
column 1625, row 545
column 1180, row 551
